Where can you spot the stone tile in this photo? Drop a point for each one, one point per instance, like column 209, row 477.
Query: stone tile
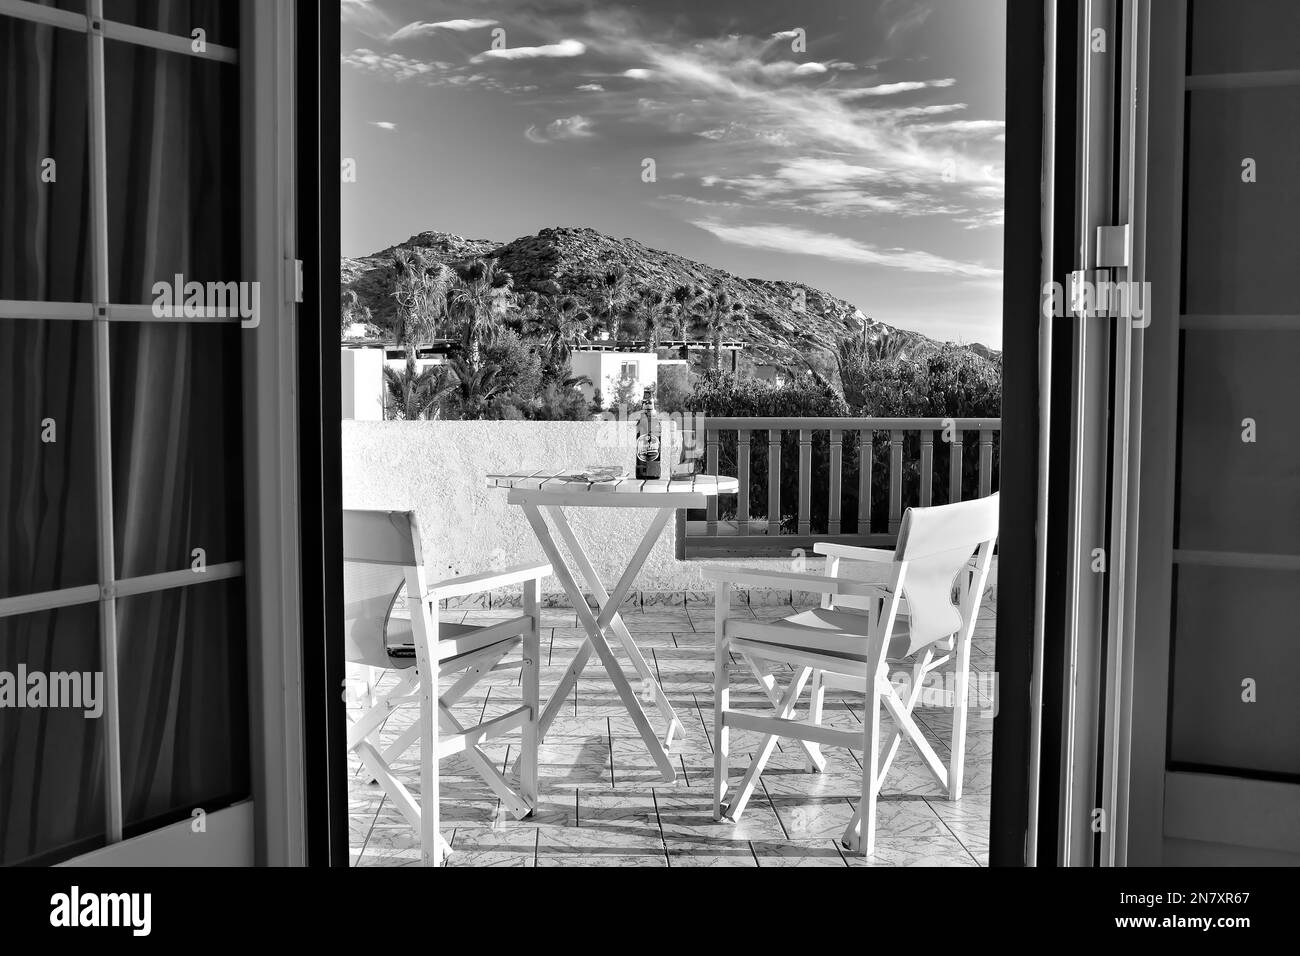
column 689, row 817
column 696, row 854
column 493, row 846
column 797, row 853
column 592, row 847
column 890, row 850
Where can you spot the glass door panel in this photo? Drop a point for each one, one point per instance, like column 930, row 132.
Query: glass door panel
column 51, row 757
column 48, row 516
column 177, row 446
column 44, row 169
column 173, row 170
column 182, row 660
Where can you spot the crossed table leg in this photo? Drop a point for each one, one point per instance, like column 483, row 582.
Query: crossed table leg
column 607, row 616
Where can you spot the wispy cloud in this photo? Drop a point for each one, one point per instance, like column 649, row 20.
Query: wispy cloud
column 384, row 124
column 565, row 48
column 424, row 28
column 591, row 88
column 569, row 127
column 794, row 240
column 890, row 89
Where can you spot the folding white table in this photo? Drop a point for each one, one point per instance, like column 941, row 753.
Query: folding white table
column 553, row 492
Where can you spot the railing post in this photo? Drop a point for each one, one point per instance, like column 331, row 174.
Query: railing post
column 837, row 463
column 955, row 467
column 711, row 466
column 774, row 481
column 986, row 462
column 805, row 481
column 864, row 481
column 895, row 481
column 927, row 467
column 742, row 476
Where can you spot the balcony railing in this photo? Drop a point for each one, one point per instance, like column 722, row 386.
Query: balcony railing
column 802, row 479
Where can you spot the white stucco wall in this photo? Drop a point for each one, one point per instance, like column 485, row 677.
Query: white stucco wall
column 437, row 469
column 363, row 384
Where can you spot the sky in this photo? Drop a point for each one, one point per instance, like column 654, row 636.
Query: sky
column 853, row 145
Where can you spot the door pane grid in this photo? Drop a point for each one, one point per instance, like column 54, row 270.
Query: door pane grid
column 154, row 581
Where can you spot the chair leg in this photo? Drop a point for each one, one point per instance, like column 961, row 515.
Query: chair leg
column 957, row 745
column 866, row 837
column 430, row 838
column 532, row 698
column 721, row 697
column 817, row 698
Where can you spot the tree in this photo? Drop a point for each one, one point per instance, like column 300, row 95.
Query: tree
column 610, row 297
column 647, row 311
column 559, row 323
column 421, row 294
column 679, row 301
column 476, row 300
column 412, row 394
column 473, row 389
column 626, row 395
column 352, row 310
column 717, row 311
column 562, row 398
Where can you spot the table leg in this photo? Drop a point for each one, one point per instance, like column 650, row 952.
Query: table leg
column 597, row 640
column 610, row 604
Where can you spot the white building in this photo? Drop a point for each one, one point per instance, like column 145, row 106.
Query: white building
column 607, row 368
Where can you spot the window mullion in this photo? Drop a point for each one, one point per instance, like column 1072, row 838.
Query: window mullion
column 103, row 423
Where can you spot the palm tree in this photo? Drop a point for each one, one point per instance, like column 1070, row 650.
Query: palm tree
column 680, row 300
column 647, row 310
column 717, row 310
column 412, row 393
column 475, row 300
column 474, row 388
column 421, row 295
column 559, row 322
column 611, row 296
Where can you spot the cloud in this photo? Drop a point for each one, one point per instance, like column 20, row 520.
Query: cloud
column 424, row 28
column 805, row 69
column 793, row 239
column 565, row 48
column 638, row 74
column 365, row 16
column 907, row 19
column 391, row 64
column 889, row 89
column 569, row 127
column 384, row 124
column 591, row 88
column 785, row 35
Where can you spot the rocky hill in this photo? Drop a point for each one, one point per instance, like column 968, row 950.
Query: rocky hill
column 783, row 322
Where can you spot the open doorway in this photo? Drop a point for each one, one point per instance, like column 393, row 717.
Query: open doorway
column 633, row 243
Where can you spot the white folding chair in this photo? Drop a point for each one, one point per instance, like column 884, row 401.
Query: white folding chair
column 386, row 628
column 923, row 614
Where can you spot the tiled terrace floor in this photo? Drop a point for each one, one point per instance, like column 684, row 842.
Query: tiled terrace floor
column 603, row 802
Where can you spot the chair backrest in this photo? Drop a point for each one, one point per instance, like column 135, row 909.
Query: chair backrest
column 934, row 547
column 379, row 549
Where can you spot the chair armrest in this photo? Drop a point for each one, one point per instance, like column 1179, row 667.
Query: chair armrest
column 850, row 552
column 503, row 577
column 795, row 581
